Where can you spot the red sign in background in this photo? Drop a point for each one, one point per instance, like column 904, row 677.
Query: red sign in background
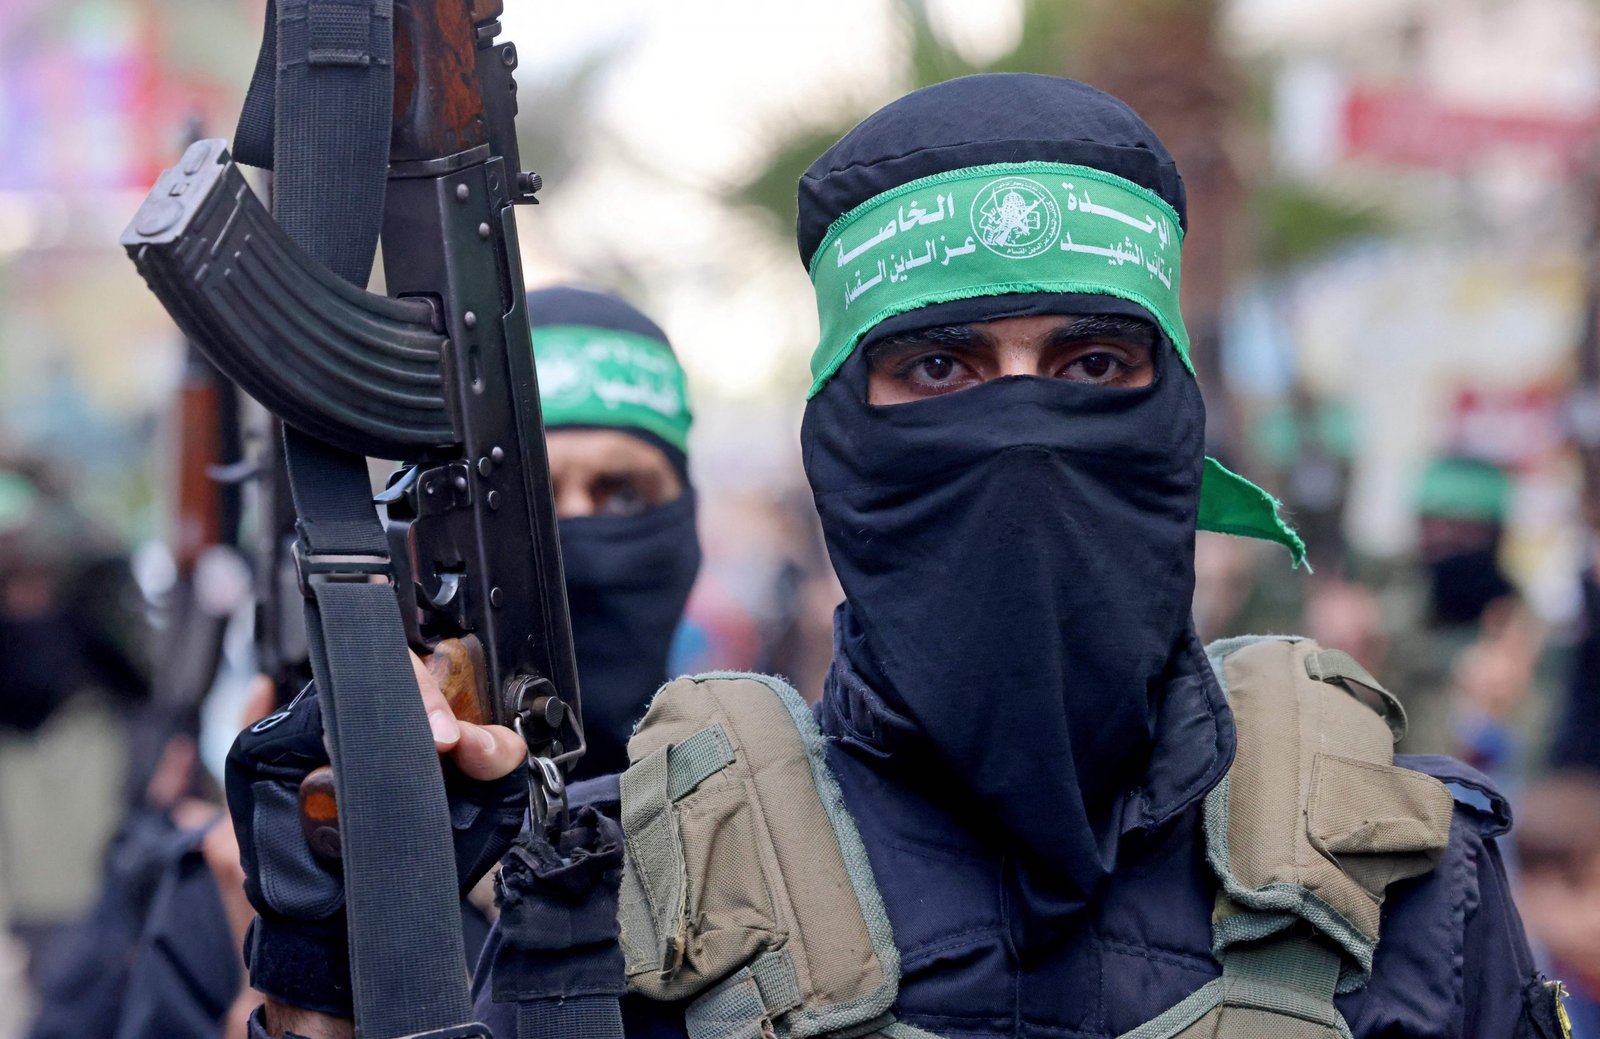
column 1411, row 128
column 1518, row 428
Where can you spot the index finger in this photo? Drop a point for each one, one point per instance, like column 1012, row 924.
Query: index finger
column 441, row 719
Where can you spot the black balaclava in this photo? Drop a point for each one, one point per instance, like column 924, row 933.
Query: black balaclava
column 1462, row 504
column 628, row 577
column 1463, row 585
column 1018, row 557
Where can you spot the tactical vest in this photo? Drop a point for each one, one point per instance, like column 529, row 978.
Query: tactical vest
column 748, row 893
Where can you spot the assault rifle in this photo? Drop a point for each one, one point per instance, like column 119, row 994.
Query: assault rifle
column 209, row 578
column 401, row 116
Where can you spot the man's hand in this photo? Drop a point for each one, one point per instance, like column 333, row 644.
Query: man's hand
column 484, row 752
column 297, row 945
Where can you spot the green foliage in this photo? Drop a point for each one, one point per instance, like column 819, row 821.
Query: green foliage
column 1052, row 37
column 770, row 191
column 1046, row 44
column 1296, row 224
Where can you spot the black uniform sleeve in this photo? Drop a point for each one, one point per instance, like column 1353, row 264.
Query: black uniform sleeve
column 1504, row 992
column 187, row 970
column 1496, row 959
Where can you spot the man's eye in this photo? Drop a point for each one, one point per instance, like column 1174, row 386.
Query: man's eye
column 933, row 370
column 1096, row 367
column 620, row 498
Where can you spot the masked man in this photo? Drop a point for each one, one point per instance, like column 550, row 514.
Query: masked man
column 1023, row 766
column 617, row 420
column 617, row 417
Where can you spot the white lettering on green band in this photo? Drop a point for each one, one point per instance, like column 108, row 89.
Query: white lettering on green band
column 991, row 231
column 599, row 377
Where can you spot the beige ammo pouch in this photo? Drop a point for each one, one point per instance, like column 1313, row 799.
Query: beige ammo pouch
column 747, row 889
column 1308, row 829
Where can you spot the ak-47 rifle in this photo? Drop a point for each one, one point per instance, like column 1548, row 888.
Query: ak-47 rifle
column 362, row 108
column 208, row 580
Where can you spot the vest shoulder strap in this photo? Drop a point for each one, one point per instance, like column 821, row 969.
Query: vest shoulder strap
column 747, row 888
column 1306, row 832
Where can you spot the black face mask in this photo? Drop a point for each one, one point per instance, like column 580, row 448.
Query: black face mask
column 1463, row 585
column 43, row 676
column 628, row 578
column 1018, row 565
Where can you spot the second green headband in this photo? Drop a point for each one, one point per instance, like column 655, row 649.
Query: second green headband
column 601, row 377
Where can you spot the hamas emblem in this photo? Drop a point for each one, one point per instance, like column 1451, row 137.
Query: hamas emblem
column 564, row 378
column 1016, row 217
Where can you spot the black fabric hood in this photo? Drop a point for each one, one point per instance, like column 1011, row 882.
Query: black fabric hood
column 569, row 305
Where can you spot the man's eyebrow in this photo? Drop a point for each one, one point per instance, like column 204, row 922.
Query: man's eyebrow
column 1106, row 326
column 938, row 335
column 1088, row 326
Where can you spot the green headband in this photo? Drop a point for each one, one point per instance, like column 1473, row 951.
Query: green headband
column 1459, row 488
column 19, row 500
column 599, row 377
column 1012, row 228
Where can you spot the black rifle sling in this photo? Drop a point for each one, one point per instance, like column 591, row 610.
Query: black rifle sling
column 407, row 962
column 330, row 100
column 252, row 140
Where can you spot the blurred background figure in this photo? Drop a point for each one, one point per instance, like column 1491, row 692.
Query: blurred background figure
column 67, row 596
column 1558, row 886
column 1467, row 644
column 1461, row 515
column 73, row 620
column 1476, row 615
column 197, row 583
column 71, row 617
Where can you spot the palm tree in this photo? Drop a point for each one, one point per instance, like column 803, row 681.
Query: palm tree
column 1164, row 58
column 1048, row 29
